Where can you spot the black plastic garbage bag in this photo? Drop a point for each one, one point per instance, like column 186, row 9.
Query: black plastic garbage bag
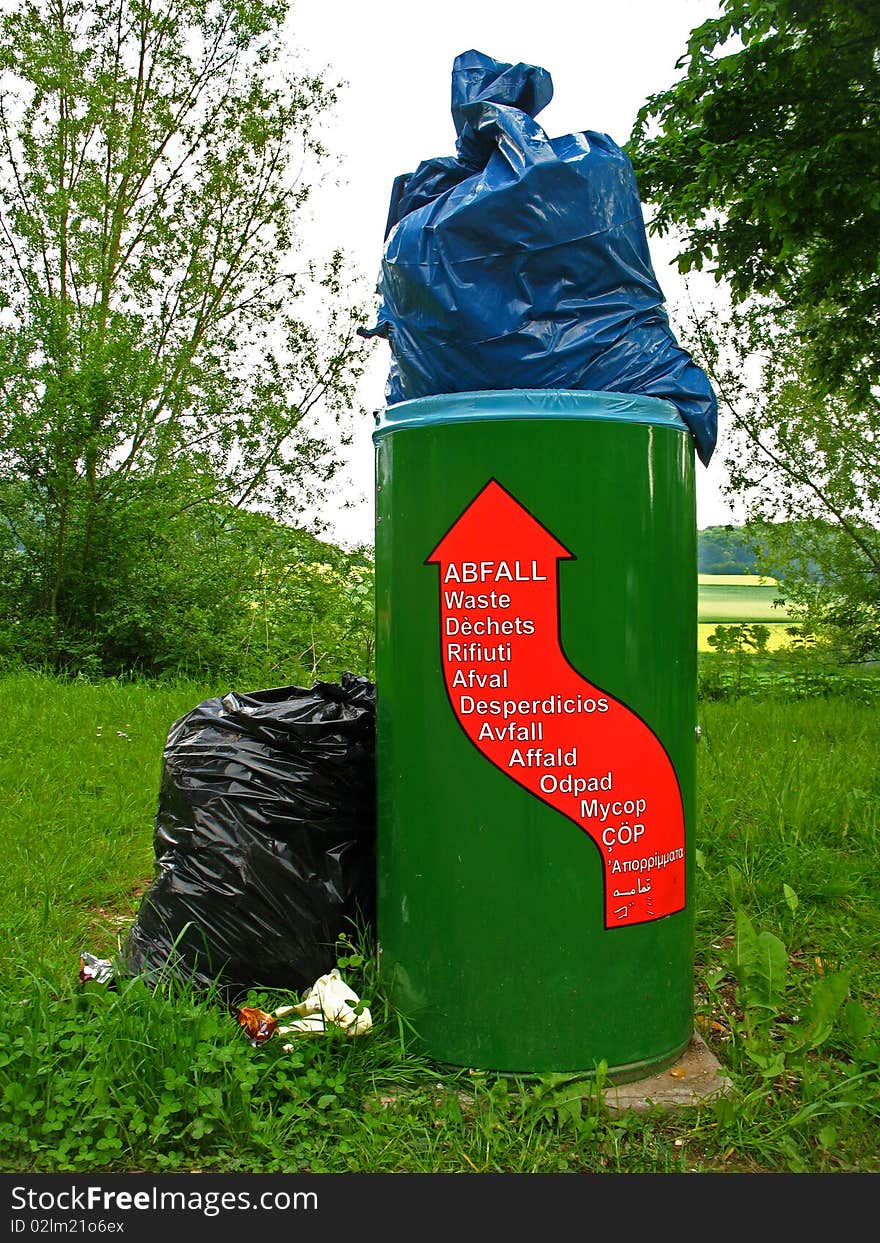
column 264, row 838
column 523, row 262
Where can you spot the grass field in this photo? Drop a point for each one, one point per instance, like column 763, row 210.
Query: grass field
column 734, row 604
column 736, row 580
column 788, row 866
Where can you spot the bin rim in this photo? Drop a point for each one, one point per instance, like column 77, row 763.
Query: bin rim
column 526, row 403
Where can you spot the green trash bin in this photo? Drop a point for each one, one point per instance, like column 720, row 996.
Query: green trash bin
column 536, row 728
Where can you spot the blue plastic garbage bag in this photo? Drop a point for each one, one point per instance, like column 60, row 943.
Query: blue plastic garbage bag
column 523, row 262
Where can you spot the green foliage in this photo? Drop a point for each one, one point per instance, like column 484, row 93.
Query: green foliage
column 215, row 592
column 736, row 640
column 849, row 626
column 760, row 962
column 764, row 154
column 732, row 643
column 802, row 671
column 773, row 1038
column 165, row 356
column 807, row 469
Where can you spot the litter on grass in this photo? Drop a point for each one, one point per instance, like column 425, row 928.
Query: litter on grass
column 98, row 969
column 258, row 1025
column 328, row 1005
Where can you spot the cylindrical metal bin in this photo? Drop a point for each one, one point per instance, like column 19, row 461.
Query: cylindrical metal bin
column 536, row 713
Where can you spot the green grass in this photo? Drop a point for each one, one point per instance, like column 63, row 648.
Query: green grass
column 790, row 796
column 79, row 771
column 729, row 603
column 786, row 980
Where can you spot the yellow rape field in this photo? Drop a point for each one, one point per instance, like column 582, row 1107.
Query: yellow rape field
column 779, row 637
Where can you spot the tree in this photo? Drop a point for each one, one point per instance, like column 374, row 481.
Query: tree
column 766, row 156
column 160, row 352
column 807, row 468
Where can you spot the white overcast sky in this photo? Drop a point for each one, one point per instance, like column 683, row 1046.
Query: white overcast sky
column 395, row 57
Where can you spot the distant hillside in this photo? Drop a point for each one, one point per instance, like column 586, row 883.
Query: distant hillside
column 730, row 549
column 725, row 550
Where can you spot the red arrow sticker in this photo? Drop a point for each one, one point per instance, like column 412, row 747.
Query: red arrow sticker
column 532, row 715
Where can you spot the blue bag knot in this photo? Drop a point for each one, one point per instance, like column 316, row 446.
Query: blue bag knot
column 478, row 83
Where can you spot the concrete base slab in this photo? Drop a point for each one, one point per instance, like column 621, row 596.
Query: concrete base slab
column 695, row 1079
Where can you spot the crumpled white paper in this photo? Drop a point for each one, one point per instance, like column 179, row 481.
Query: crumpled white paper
column 329, row 1000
